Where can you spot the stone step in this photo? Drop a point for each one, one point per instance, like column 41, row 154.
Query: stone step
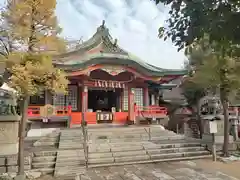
column 73, row 138
column 149, row 161
column 172, row 145
column 70, row 162
column 70, row 146
column 70, row 153
column 70, row 170
column 116, row 154
column 101, row 160
column 45, row 153
column 44, row 158
column 157, row 138
column 71, row 158
column 43, row 171
column 178, row 154
column 70, row 142
column 126, row 148
column 120, row 158
column 39, row 165
column 132, row 158
column 129, row 153
column 174, row 150
column 100, row 155
column 101, row 149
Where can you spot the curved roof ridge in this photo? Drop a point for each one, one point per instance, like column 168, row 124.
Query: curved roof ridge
column 164, row 69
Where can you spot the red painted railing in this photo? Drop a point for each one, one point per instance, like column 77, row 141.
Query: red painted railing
column 34, row 111
column 150, row 111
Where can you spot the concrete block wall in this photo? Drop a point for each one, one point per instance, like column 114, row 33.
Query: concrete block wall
column 8, row 164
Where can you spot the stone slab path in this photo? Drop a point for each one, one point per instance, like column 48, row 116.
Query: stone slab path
column 158, row 171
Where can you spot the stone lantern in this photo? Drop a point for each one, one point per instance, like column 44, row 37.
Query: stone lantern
column 214, row 111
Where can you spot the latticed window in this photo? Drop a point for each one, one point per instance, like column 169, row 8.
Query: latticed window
column 38, row 99
column 72, row 97
column 138, row 96
column 62, row 100
column 59, row 100
column 125, row 99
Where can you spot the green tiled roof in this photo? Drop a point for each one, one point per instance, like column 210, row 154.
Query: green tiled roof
column 111, row 54
column 116, row 59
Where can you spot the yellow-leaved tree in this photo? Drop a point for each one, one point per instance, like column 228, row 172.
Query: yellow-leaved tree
column 33, row 27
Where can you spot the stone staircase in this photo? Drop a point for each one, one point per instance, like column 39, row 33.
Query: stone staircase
column 61, row 153
column 120, row 146
column 44, row 152
column 70, row 157
column 44, row 161
column 145, row 152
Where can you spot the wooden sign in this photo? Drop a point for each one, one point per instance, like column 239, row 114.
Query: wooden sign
column 47, row 110
column 109, row 84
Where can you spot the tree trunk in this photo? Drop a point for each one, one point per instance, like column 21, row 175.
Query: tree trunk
column 22, row 133
column 224, row 102
column 199, row 119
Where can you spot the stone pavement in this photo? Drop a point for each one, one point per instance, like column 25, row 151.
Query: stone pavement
column 158, row 171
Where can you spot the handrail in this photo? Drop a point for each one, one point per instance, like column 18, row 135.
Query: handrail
column 150, row 110
column 85, row 141
column 148, row 133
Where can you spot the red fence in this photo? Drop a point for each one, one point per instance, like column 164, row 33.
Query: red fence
column 150, row 111
column 35, row 111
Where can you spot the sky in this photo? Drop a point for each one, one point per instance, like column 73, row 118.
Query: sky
column 134, row 23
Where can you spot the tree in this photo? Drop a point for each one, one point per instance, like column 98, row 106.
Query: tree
column 193, row 94
column 218, row 73
column 190, row 22
column 34, row 27
column 192, row 91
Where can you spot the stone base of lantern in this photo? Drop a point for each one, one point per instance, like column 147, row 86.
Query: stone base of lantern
column 9, row 135
column 219, row 136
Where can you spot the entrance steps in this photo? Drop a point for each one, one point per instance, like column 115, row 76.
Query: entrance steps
column 116, row 146
column 44, row 161
column 145, row 152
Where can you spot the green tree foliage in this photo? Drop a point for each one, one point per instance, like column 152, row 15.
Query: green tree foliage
column 32, row 25
column 191, row 20
column 188, row 25
column 219, row 73
column 191, row 90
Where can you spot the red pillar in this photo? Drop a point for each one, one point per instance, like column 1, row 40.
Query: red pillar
column 131, row 116
column 145, row 97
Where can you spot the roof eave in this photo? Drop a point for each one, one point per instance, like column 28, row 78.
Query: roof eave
column 121, row 60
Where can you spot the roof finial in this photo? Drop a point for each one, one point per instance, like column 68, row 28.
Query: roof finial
column 103, row 23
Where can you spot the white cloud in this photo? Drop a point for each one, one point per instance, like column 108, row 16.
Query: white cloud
column 134, row 23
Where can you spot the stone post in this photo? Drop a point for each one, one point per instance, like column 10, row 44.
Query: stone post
column 9, row 123
column 9, row 135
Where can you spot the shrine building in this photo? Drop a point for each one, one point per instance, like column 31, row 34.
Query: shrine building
column 108, row 83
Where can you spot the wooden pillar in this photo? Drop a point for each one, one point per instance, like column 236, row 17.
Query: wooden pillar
column 145, row 97
column 84, row 98
column 121, row 99
column 131, row 115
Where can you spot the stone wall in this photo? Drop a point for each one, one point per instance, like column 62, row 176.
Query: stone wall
column 9, row 163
